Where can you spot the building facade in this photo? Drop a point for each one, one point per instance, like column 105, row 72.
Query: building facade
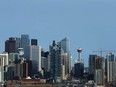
column 34, row 54
column 3, row 63
column 10, row 45
column 79, row 66
column 25, row 42
column 55, row 62
column 34, row 42
column 99, row 76
column 110, row 67
column 92, row 66
column 65, row 45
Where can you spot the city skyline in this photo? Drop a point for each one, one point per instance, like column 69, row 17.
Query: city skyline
column 89, row 24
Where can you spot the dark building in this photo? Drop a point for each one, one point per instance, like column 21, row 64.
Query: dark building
column 29, row 62
column 99, row 62
column 79, row 70
column 10, row 72
column 10, row 45
column 25, row 70
column 34, row 42
column 79, row 66
column 99, row 77
column 55, row 62
column 92, row 66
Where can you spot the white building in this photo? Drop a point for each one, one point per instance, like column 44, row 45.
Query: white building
column 3, row 62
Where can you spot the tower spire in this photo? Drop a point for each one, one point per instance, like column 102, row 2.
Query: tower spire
column 79, row 50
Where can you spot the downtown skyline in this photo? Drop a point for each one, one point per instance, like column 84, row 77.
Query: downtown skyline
column 89, row 24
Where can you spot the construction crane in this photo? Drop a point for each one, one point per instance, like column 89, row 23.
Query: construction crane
column 101, row 51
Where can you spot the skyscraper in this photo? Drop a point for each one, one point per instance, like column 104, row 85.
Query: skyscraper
column 18, row 44
column 34, row 42
column 55, row 62
column 10, row 45
column 99, row 77
column 25, row 41
column 92, row 66
column 65, row 45
column 3, row 63
column 110, row 67
column 34, row 54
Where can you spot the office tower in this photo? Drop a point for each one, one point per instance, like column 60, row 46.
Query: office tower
column 3, row 63
column 25, row 41
column 34, row 42
column 17, row 44
column 10, row 45
column 110, row 67
column 33, row 53
column 79, row 66
column 99, row 77
column 91, row 66
column 65, row 45
column 55, row 62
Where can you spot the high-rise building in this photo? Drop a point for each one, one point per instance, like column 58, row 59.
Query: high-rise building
column 10, row 45
column 34, row 42
column 3, row 63
column 18, row 44
column 34, row 54
column 65, row 65
column 92, row 66
column 79, row 66
column 45, row 61
column 99, row 77
column 25, row 42
column 55, row 62
column 110, row 67
column 65, row 45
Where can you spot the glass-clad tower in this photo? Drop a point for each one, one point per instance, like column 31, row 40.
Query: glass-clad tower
column 25, row 42
column 65, row 45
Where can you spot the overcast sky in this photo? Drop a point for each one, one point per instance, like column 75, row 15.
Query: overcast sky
column 90, row 24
